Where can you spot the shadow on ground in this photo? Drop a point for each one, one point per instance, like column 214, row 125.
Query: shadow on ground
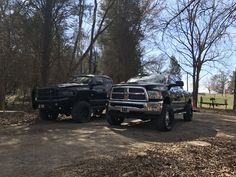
column 203, row 125
column 44, row 145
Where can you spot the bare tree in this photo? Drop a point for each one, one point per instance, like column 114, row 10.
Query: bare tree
column 219, row 82
column 97, row 28
column 208, row 84
column 155, row 64
column 199, row 33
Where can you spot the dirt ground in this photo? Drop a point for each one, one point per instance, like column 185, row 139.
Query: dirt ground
column 204, row 147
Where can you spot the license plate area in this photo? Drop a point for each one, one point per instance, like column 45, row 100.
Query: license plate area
column 41, row 106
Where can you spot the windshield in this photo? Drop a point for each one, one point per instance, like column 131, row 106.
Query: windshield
column 156, row 79
column 85, row 80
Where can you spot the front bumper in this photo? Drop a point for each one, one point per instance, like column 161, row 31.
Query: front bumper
column 135, row 108
column 59, row 103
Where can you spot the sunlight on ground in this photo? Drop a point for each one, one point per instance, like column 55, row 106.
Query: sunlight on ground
column 224, row 135
column 11, row 142
column 199, row 143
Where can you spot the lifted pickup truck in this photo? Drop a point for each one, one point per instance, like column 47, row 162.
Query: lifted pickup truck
column 156, row 97
column 83, row 96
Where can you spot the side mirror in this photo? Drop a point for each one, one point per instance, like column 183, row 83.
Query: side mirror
column 177, row 83
column 180, row 83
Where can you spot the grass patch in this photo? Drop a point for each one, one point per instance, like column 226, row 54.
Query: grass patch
column 219, row 98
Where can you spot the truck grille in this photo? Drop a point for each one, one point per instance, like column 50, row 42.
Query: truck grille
column 128, row 93
column 128, row 105
column 45, row 94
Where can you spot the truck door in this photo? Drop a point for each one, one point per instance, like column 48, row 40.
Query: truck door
column 99, row 91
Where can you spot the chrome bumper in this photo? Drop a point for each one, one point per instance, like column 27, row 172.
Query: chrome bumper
column 138, row 107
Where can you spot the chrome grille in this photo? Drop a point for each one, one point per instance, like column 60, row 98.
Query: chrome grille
column 129, row 93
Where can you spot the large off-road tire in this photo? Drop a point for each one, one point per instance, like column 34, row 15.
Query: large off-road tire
column 188, row 115
column 48, row 114
column 113, row 119
column 81, row 112
column 166, row 120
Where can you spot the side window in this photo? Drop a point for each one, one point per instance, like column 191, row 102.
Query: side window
column 107, row 83
column 99, row 79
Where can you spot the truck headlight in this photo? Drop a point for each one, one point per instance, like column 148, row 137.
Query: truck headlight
column 154, row 95
column 67, row 93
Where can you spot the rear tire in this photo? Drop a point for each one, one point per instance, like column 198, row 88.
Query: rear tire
column 166, row 120
column 114, row 120
column 81, row 112
column 48, row 115
column 188, row 115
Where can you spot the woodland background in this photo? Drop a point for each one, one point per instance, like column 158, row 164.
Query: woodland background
column 44, row 42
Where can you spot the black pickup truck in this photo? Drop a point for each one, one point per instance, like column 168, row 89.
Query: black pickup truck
column 81, row 97
column 156, row 97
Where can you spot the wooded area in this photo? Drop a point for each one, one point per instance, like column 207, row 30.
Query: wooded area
column 45, row 42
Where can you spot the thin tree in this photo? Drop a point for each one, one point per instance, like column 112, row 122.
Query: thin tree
column 94, row 19
column 101, row 26
column 234, row 106
column 219, row 82
column 77, row 47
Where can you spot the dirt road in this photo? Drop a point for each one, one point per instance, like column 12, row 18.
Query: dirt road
column 63, row 148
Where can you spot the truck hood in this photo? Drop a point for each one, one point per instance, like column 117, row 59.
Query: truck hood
column 69, row 85
column 148, row 86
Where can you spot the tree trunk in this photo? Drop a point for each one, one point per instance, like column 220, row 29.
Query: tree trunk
column 197, row 86
column 194, row 88
column 47, row 41
column 90, row 62
column 195, row 95
column 234, row 106
column 77, row 43
column 196, row 78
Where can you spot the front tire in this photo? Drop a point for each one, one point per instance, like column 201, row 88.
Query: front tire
column 98, row 112
column 188, row 115
column 81, row 112
column 48, row 115
column 114, row 120
column 166, row 120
